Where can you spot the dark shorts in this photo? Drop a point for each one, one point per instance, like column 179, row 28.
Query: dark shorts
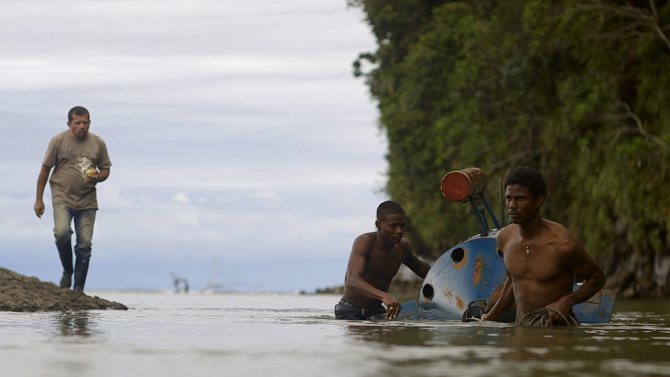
column 346, row 310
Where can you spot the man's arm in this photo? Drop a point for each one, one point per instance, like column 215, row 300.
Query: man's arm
column 42, row 179
column 505, row 300
column 584, row 266
column 356, row 282
column 506, row 297
column 415, row 264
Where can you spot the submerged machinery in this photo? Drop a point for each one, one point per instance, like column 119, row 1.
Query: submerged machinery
column 470, row 274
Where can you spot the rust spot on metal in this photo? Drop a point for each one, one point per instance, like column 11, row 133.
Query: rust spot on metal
column 459, row 303
column 478, row 271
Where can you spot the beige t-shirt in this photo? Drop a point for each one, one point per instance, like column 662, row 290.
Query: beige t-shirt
column 71, row 157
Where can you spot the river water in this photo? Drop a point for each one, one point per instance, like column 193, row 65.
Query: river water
column 165, row 334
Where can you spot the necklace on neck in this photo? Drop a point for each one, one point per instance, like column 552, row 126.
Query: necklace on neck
column 527, row 250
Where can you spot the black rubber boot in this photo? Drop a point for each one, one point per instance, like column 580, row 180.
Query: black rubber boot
column 65, row 255
column 66, row 279
column 80, row 271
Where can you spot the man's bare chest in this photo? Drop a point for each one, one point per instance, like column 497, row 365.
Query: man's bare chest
column 542, row 264
column 383, row 264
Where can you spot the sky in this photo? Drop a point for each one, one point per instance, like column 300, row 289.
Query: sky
column 245, row 155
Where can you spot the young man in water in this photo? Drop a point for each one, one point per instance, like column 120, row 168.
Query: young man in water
column 375, row 259
column 543, row 260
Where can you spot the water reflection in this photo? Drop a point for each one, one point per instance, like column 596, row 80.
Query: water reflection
column 76, row 323
column 636, row 340
column 391, row 335
column 532, row 343
column 428, row 334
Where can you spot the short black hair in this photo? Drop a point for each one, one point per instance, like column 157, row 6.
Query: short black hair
column 528, row 177
column 77, row 110
column 389, row 207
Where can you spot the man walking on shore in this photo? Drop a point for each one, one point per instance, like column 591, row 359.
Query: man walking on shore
column 79, row 161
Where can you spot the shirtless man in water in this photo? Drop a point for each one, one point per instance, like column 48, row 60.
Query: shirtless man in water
column 543, row 260
column 375, row 259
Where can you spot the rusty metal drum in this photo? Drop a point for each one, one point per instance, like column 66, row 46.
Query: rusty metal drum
column 460, row 185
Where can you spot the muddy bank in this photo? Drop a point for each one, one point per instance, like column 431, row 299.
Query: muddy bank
column 19, row 293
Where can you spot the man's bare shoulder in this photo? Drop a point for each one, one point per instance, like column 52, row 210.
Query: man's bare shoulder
column 365, row 239
column 554, row 226
column 506, row 230
column 505, row 233
column 368, row 236
column 565, row 241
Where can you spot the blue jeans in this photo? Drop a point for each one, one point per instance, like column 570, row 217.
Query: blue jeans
column 84, row 219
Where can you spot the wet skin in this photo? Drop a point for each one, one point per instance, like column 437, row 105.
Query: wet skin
column 542, row 259
column 374, row 260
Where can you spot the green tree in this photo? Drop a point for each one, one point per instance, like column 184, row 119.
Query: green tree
column 577, row 89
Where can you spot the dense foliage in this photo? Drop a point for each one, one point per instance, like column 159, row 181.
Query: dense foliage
column 577, row 89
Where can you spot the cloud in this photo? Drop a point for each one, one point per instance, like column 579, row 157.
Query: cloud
column 153, row 27
column 181, row 198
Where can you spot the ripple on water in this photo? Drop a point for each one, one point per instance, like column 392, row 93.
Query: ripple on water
column 292, row 335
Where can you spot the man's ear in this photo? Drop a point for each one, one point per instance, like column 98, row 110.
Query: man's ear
column 539, row 201
column 377, row 224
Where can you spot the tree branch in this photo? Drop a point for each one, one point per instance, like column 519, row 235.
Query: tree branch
column 634, row 17
column 629, row 114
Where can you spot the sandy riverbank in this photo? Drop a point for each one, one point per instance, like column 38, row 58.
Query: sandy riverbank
column 19, row 293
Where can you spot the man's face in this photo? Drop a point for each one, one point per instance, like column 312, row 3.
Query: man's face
column 391, row 227
column 521, row 205
column 79, row 126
